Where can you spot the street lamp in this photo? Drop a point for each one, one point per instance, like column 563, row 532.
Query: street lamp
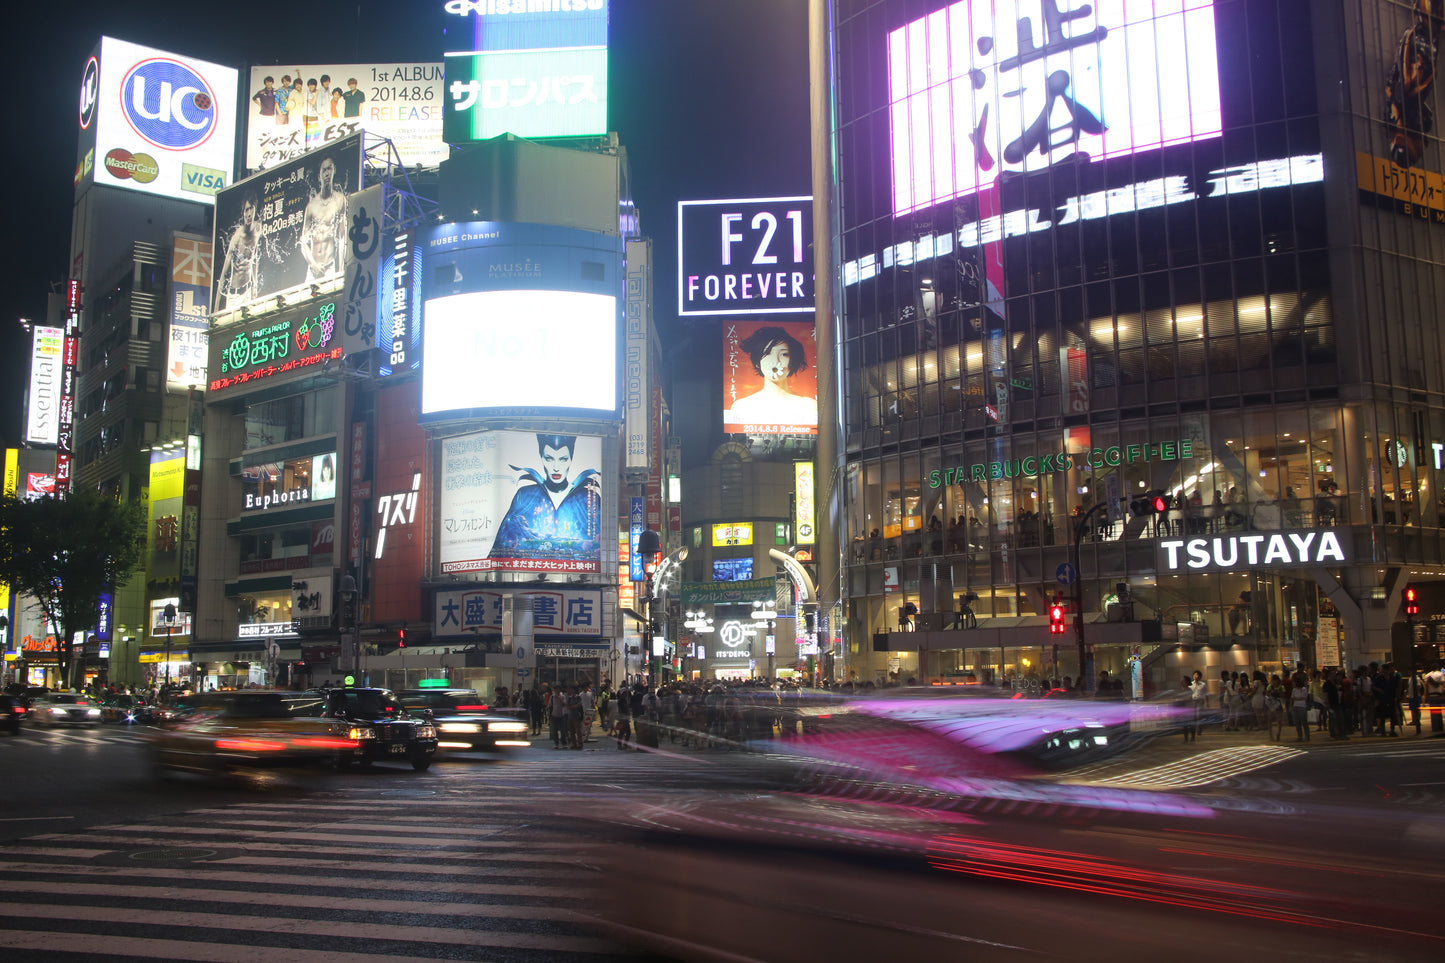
column 766, row 614
column 699, row 623
column 348, row 621
column 169, row 614
column 649, row 546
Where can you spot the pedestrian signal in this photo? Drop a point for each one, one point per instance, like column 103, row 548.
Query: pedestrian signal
column 1150, row 503
column 1056, row 619
column 1412, row 601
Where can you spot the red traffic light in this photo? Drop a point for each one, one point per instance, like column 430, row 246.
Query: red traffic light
column 401, row 638
column 1158, row 504
column 1412, row 601
column 1056, row 619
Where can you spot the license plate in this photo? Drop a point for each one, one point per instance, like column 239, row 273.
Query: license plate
column 398, row 749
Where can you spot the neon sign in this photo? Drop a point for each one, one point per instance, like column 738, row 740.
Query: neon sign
column 278, row 347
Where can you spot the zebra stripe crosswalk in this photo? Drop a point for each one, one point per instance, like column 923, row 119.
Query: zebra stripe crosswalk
column 339, row 878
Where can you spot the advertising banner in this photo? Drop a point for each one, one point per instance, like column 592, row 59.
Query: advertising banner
column 569, row 613
column 284, row 231
column 635, row 371
column 190, row 311
column 273, row 346
column 298, row 110
column 729, row 593
column 399, row 507
column 637, row 523
column 359, row 304
column 770, row 378
column 47, row 346
column 514, row 300
column 804, row 513
column 167, row 486
column 398, row 327
column 746, row 256
column 164, row 124
column 977, row 91
column 534, row 70
column 520, row 501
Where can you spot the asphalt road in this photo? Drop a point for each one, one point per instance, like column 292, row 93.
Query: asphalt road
column 517, row 859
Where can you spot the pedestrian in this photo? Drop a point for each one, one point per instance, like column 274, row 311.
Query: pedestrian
column 1276, row 698
column 589, row 712
column 1199, row 696
column 623, row 726
column 574, row 716
column 1415, row 694
column 1299, row 707
column 536, row 710
column 558, row 717
column 1435, row 700
column 1186, row 706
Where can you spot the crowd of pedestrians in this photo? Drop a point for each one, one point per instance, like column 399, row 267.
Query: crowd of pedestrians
column 637, row 716
column 1370, row 700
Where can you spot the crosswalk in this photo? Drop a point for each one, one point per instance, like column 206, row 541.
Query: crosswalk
column 1200, row 769
column 360, row 876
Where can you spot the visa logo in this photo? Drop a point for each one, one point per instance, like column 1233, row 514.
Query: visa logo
column 202, row 180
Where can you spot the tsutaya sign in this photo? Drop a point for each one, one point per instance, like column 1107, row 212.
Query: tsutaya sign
column 1307, row 548
column 1034, row 466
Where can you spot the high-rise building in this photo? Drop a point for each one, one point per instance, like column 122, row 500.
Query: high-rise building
column 1086, row 253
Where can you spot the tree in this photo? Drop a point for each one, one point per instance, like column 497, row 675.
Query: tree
column 66, row 552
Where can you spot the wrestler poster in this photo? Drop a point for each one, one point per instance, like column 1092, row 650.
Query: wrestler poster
column 285, row 230
column 520, row 501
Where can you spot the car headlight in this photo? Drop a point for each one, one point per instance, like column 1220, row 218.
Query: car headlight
column 360, row 732
column 92, row 712
column 459, row 727
column 426, row 732
column 507, row 727
column 57, row 711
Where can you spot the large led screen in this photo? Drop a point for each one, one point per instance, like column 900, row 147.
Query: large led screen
column 286, row 230
column 295, row 111
column 520, row 501
column 770, row 378
column 509, row 349
column 980, row 89
column 530, row 69
column 164, row 124
column 520, row 319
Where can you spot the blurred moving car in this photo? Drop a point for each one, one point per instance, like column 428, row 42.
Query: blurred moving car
column 125, row 709
column 255, row 727
column 465, row 722
column 395, row 734
column 64, row 709
column 12, row 711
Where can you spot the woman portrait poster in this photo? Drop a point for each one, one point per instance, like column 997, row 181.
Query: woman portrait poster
column 770, row 381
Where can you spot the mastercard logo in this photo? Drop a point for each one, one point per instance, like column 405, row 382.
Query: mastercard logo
column 122, row 164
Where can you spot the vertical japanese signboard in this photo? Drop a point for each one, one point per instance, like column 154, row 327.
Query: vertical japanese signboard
column 65, row 434
column 190, row 311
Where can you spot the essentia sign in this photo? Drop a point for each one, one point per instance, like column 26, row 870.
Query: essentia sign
column 1309, row 548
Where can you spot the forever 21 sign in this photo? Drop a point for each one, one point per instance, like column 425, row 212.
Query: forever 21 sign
column 752, row 256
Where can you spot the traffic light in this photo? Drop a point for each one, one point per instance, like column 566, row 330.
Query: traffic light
column 1056, row 619
column 1412, row 602
column 401, row 638
column 1149, row 503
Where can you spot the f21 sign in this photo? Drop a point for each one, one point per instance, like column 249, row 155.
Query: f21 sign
column 748, row 256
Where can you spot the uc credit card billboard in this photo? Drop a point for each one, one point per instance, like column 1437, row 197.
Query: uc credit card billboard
column 163, row 123
column 520, row 319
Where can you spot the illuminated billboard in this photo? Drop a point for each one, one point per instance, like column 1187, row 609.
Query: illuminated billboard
column 284, row 231
column 520, row 501
column 805, row 509
column 190, row 311
column 770, row 378
column 298, row 110
column 163, row 124
column 745, row 256
column 732, row 533
column 250, row 353
column 534, row 308
column 977, row 90
column 532, row 69
column 42, row 425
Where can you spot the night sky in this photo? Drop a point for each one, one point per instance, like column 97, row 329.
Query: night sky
column 709, row 96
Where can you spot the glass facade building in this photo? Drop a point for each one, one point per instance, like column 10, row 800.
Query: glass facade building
column 1088, row 252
